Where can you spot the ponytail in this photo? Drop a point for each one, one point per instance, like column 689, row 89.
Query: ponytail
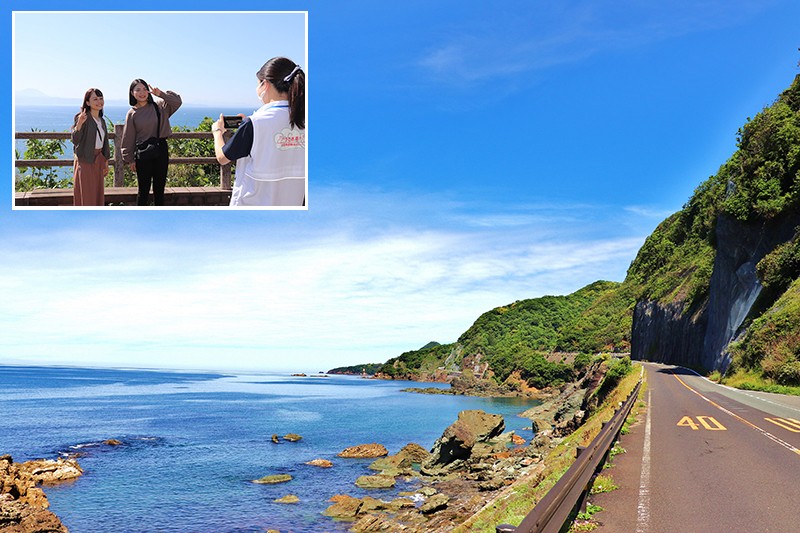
column 297, row 101
column 288, row 77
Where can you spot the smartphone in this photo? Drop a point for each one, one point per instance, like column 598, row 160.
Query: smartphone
column 231, row 122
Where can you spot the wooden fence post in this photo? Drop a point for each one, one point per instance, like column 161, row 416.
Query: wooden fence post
column 119, row 166
column 225, row 170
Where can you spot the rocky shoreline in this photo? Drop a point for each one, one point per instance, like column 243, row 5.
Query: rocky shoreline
column 474, row 462
column 23, row 505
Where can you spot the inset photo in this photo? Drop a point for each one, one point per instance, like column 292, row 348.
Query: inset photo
column 160, row 110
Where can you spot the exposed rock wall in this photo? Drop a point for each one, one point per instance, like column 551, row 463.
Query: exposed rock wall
column 699, row 337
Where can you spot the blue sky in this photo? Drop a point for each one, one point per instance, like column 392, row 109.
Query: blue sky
column 461, row 157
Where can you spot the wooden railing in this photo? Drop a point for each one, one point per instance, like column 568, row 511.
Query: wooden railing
column 116, row 158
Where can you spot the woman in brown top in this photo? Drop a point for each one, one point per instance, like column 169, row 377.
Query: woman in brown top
column 144, row 138
column 90, row 137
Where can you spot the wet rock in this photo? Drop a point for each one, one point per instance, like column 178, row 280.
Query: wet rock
column 275, row 439
column 322, row 463
column 415, row 453
column 437, row 502
column 375, row 482
column 273, row 479
column 289, row 498
column 393, row 465
column 50, row 471
column 292, row 437
column 112, row 442
column 364, row 451
column 344, row 508
column 23, row 507
column 427, row 491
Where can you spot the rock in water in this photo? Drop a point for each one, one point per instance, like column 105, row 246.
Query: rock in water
column 272, row 479
column 457, row 442
column 322, row 463
column 375, row 482
column 50, row 471
column 362, row 451
column 292, row 437
column 289, row 498
column 415, row 453
column 23, row 507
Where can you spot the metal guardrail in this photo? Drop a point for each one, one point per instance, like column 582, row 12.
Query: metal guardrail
column 554, row 510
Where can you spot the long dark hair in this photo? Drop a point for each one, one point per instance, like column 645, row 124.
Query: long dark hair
column 85, row 106
column 288, row 77
column 134, row 83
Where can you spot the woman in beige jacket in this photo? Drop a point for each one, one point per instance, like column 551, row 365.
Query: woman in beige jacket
column 90, row 137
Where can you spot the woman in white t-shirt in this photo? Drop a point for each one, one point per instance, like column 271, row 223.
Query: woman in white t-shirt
column 269, row 146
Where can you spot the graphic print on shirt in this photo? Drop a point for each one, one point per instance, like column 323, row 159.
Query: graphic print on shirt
column 290, row 139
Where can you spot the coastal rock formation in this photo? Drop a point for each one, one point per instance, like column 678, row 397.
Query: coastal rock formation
column 289, row 498
column 23, row 507
column 375, row 482
column 561, row 414
column 470, row 433
column 393, row 465
column 273, row 479
column 322, row 463
column 49, row 471
column 364, row 451
column 292, row 437
column 415, row 453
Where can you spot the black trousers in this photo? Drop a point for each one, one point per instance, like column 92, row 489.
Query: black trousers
column 153, row 171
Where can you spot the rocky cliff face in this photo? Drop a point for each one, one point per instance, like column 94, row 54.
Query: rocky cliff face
column 699, row 336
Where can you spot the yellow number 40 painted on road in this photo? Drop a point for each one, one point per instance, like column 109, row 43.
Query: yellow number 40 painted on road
column 708, row 422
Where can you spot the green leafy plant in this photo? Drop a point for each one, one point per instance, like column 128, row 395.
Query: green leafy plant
column 30, row 178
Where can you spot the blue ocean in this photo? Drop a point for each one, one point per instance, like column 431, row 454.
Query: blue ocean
column 192, row 443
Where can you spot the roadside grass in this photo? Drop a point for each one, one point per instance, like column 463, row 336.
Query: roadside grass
column 603, row 483
column 754, row 380
column 584, row 522
column 515, row 503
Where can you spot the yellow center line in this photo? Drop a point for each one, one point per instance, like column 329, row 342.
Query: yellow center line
column 739, row 418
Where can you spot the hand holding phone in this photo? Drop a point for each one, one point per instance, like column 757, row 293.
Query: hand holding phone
column 231, row 122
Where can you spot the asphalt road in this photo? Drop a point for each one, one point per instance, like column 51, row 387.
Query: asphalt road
column 706, row 458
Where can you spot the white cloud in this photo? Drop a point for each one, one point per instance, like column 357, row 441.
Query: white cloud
column 269, row 298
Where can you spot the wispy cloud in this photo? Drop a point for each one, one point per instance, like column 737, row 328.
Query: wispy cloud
column 311, row 299
column 523, row 40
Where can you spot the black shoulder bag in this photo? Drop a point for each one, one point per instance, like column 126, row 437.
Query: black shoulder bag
column 150, row 148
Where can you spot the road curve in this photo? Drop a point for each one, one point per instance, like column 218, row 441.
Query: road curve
column 706, row 458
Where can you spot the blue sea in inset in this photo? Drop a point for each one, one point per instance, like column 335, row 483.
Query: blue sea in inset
column 192, row 443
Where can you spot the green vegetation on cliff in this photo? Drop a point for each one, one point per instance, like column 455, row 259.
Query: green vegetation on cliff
column 771, row 345
column 760, row 182
column 366, row 368
column 517, row 337
column 417, row 364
